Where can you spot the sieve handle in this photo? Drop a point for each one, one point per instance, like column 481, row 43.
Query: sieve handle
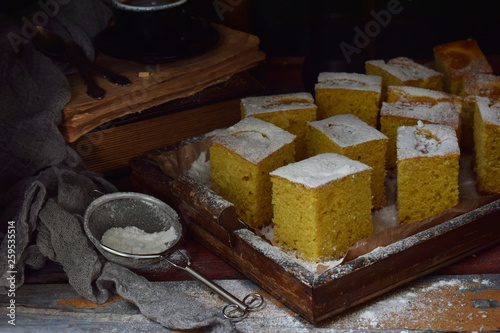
column 237, row 309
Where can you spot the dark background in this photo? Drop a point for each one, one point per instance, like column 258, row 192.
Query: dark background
column 315, row 29
column 312, row 27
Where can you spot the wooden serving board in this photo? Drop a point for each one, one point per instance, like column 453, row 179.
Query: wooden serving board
column 314, row 295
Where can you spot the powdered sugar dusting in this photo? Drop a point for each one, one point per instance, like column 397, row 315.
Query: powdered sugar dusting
column 349, row 81
column 200, row 169
column 439, row 113
column 254, row 139
column 409, row 93
column 490, row 110
column 347, row 130
column 320, row 169
column 426, row 140
column 431, row 303
column 264, row 104
column 406, row 69
column 480, row 84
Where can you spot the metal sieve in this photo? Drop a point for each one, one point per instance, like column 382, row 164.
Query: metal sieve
column 124, row 209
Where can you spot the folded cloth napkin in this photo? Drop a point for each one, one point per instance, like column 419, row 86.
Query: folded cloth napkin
column 45, row 187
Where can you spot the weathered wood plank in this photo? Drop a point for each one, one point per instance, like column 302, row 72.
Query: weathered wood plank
column 435, row 303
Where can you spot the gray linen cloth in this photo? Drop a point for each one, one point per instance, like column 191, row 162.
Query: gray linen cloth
column 45, row 187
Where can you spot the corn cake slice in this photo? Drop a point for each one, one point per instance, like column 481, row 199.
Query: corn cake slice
column 427, row 171
column 458, row 59
column 486, row 85
column 291, row 112
column 487, row 144
column 348, row 135
column 322, row 206
column 240, row 161
column 341, row 93
column 404, row 71
column 404, row 112
column 421, row 95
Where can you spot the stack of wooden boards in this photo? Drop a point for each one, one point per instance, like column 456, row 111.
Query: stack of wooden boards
column 152, row 112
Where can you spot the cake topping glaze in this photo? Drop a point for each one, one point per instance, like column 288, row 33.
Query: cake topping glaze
column 347, row 130
column 426, row 140
column 439, row 113
column 349, row 81
column 405, row 69
column 320, row 169
column 283, row 102
column 254, row 139
column 490, row 110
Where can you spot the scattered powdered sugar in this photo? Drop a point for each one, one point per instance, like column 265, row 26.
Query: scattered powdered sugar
column 306, row 271
column 136, row 241
column 384, row 218
column 320, row 169
column 314, row 267
column 200, row 169
column 404, row 307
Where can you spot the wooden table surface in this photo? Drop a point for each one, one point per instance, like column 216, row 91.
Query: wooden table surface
column 464, row 296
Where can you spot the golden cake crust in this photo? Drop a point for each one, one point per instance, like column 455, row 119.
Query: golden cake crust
column 354, row 93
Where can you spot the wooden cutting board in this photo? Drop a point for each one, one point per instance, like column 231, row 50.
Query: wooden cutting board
column 153, row 85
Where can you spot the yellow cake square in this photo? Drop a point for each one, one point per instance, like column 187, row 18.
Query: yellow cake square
column 427, row 171
column 458, row 59
column 412, row 104
column 240, row 161
column 486, row 85
column 322, row 206
column 487, row 144
column 404, row 71
column 341, row 93
column 421, row 95
column 348, row 135
column 291, row 112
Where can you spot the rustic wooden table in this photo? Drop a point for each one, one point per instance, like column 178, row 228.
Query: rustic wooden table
column 464, row 296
